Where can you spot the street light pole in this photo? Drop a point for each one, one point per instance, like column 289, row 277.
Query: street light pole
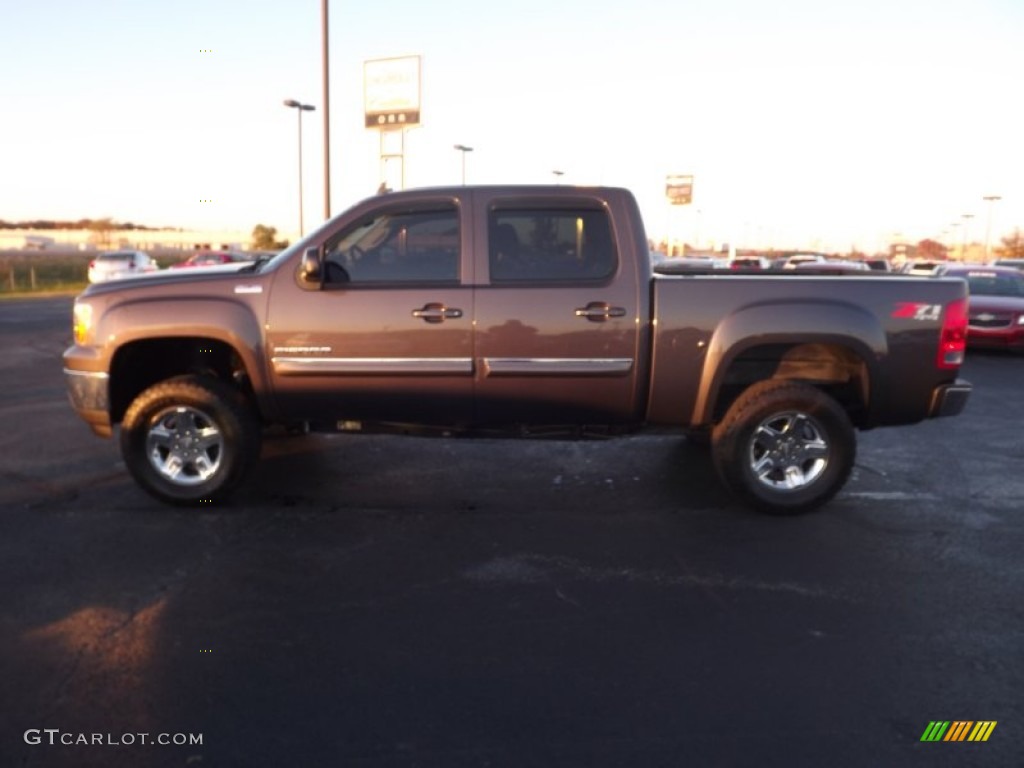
column 990, row 199
column 952, row 236
column 300, row 108
column 327, row 112
column 463, row 149
column 558, row 176
column 963, row 251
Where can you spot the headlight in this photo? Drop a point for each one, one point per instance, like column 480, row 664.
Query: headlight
column 83, row 323
column 1020, row 319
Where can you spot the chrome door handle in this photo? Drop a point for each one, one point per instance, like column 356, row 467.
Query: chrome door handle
column 437, row 313
column 599, row 311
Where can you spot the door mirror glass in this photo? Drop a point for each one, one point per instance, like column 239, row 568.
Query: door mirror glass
column 310, row 268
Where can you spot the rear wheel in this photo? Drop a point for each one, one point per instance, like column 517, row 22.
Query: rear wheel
column 784, row 447
column 189, row 440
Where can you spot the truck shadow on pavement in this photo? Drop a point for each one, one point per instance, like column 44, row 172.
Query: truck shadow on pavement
column 625, row 475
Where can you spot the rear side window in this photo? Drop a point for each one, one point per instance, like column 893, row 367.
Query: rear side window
column 544, row 245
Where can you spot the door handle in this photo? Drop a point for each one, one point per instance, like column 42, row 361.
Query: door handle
column 437, row 313
column 599, row 311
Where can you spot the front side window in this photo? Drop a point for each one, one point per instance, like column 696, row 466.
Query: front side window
column 409, row 246
column 546, row 245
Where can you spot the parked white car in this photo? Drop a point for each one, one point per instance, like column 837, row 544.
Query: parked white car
column 832, row 266
column 803, row 258
column 924, row 268
column 116, row 264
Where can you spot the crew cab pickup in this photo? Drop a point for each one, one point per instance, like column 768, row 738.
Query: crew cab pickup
column 510, row 310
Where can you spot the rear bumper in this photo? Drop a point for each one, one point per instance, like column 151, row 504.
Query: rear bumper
column 89, row 394
column 950, row 399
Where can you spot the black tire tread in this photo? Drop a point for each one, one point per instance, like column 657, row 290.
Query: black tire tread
column 237, row 423
column 727, row 443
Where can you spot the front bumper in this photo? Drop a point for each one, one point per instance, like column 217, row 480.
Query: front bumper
column 950, row 399
column 1003, row 338
column 89, row 393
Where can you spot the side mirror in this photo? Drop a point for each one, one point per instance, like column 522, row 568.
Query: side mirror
column 310, row 269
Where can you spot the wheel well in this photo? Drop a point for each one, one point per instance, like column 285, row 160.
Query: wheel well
column 139, row 365
column 832, row 368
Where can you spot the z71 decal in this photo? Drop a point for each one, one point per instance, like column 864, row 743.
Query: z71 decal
column 923, row 312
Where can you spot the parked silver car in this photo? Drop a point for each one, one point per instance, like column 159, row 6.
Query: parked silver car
column 114, row 264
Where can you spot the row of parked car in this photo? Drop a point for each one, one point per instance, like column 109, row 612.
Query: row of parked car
column 799, row 261
column 112, row 265
column 996, row 304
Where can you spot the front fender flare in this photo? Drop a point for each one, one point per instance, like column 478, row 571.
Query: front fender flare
column 231, row 322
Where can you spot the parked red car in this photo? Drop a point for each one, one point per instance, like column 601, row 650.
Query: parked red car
column 210, row 258
column 744, row 263
column 996, row 313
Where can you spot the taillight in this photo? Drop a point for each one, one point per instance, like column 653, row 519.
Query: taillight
column 953, row 338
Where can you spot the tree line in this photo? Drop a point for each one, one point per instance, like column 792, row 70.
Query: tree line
column 94, row 225
column 1013, row 246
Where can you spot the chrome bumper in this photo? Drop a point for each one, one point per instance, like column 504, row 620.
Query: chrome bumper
column 950, row 399
column 89, row 393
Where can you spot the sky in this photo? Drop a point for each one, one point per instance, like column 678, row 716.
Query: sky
column 805, row 123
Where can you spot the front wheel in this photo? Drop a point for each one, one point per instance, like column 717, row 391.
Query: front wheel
column 784, row 447
column 189, row 440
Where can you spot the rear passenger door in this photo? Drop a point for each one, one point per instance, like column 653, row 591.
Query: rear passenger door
column 557, row 314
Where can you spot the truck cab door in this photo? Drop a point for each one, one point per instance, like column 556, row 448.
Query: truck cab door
column 385, row 333
column 558, row 316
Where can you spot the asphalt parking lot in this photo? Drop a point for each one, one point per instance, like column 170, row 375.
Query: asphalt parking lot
column 386, row 601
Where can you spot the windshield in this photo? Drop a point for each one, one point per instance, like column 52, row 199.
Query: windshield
column 993, row 284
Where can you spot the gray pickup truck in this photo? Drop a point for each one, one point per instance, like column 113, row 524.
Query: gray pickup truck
column 518, row 311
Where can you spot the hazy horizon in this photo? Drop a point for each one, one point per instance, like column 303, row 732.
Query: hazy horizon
column 805, row 123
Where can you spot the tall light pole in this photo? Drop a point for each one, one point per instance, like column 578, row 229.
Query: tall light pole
column 463, row 149
column 967, row 218
column 301, row 108
column 558, row 176
column 990, row 199
column 327, row 112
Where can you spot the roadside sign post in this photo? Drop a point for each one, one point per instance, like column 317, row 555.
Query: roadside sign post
column 391, row 97
column 679, row 191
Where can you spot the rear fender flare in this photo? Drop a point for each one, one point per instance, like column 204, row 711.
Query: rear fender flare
column 793, row 323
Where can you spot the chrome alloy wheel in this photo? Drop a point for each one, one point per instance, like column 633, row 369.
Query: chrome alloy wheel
column 788, row 451
column 184, row 445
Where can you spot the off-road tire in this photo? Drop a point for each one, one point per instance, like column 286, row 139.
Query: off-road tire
column 189, row 440
column 784, row 447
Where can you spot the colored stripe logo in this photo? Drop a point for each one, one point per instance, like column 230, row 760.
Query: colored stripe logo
column 958, row 730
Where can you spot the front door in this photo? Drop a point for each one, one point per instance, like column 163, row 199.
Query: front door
column 388, row 336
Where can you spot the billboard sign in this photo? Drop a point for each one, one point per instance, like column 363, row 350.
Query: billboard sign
column 391, row 92
column 679, row 189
